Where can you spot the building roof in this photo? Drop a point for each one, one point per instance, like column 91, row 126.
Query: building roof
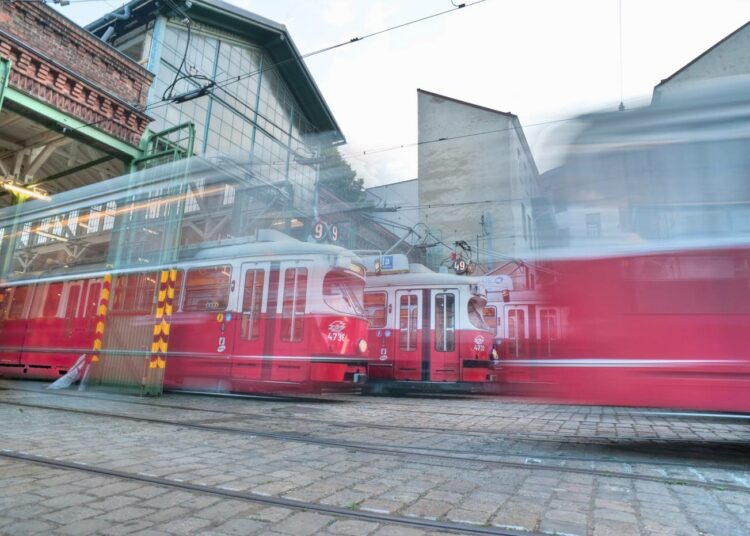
column 513, row 117
column 701, row 55
column 272, row 36
column 507, row 114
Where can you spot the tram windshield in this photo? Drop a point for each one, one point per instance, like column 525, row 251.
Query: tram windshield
column 476, row 308
column 342, row 291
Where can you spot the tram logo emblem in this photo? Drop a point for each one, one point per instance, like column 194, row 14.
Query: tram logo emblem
column 479, row 343
column 336, row 331
column 383, row 354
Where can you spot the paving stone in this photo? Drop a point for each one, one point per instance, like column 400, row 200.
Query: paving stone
column 240, row 527
column 472, row 517
column 185, row 525
column 304, row 523
column 381, row 506
column 84, row 527
column 273, row 514
column 352, row 527
column 427, row 509
column 69, row 515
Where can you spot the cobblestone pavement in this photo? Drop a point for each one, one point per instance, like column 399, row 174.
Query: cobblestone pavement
column 487, row 463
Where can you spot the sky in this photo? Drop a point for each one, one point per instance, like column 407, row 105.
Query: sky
column 543, row 60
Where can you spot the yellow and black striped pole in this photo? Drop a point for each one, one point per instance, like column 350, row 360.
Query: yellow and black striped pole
column 101, row 318
column 154, row 378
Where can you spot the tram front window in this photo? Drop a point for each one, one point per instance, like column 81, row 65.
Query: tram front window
column 476, row 308
column 342, row 291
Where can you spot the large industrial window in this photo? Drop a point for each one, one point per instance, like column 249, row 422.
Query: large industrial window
column 445, row 322
column 252, row 301
column 375, row 306
column 207, row 289
column 293, row 310
column 408, row 323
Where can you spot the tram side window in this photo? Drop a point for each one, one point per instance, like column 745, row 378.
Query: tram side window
column 549, row 324
column 252, row 300
column 375, row 306
column 92, row 304
column 17, row 302
column 4, row 297
column 52, row 300
column 134, row 293
column 207, row 289
column 516, row 324
column 293, row 310
column 408, row 323
column 490, row 318
column 445, row 322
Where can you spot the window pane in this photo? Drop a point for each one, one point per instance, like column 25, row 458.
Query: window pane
column 548, row 318
column 252, row 301
column 207, row 289
column 293, row 310
column 52, row 300
column 490, row 318
column 17, row 302
column 375, row 303
column 408, row 323
column 134, row 292
column 445, row 322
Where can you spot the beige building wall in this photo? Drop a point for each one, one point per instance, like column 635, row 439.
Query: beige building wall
column 728, row 57
column 477, row 179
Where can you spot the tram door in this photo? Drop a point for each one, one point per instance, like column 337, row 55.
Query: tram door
column 517, row 330
column 408, row 351
column 517, row 338
column 252, row 324
column 444, row 360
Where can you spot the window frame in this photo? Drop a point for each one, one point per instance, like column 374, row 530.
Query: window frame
column 250, row 323
column 447, row 334
column 291, row 317
column 186, row 291
column 384, row 309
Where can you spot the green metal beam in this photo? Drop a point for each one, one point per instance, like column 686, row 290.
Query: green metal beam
column 5, row 65
column 71, row 123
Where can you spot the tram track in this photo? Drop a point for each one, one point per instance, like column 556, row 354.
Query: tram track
column 224, row 492
column 656, row 444
column 503, row 434
column 530, row 463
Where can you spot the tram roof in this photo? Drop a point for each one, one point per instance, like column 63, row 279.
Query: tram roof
column 260, row 250
column 420, row 279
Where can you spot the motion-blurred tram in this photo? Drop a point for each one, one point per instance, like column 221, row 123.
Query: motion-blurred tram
column 262, row 316
column 426, row 330
column 522, row 325
column 651, row 259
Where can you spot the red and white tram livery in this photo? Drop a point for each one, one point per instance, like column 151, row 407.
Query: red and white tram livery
column 247, row 316
column 425, row 327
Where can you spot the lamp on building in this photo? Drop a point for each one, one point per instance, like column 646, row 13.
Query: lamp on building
column 31, row 191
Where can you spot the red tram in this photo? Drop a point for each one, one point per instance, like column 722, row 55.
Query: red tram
column 264, row 316
column 522, row 324
column 651, row 259
column 426, row 329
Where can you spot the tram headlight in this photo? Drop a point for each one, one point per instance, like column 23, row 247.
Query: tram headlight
column 362, row 346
